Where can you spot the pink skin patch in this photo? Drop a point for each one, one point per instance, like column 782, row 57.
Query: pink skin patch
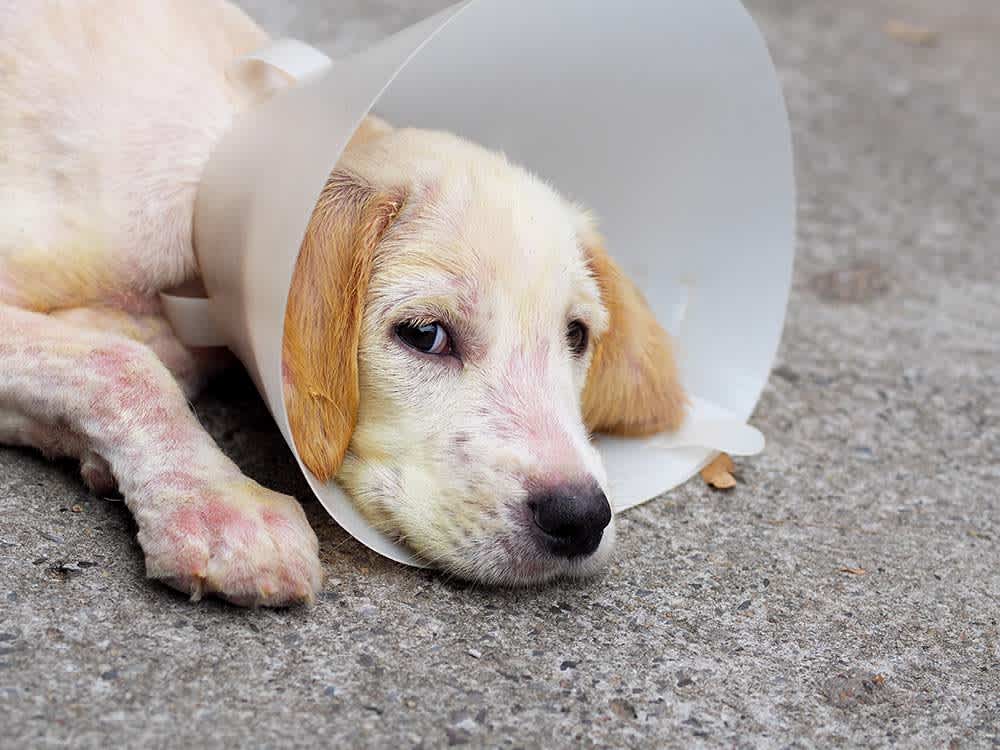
column 467, row 294
column 521, row 412
column 274, row 520
column 179, row 481
column 213, row 521
column 8, row 293
column 129, row 401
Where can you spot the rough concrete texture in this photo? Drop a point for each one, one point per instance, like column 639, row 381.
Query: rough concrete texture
column 727, row 619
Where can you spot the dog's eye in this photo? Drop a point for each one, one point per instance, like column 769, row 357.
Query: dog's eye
column 577, row 336
column 429, row 338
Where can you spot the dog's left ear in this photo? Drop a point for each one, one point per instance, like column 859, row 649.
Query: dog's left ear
column 633, row 387
column 324, row 316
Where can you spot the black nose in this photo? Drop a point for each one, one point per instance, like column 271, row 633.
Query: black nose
column 570, row 520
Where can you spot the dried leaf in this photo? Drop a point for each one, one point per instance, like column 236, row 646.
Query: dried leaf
column 719, row 473
column 854, row 571
column 920, row 36
column 879, row 680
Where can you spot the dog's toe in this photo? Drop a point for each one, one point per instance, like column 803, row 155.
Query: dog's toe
column 97, row 476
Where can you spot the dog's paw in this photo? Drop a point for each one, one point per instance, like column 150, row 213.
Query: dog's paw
column 239, row 541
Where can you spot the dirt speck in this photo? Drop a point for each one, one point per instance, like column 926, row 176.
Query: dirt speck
column 856, row 284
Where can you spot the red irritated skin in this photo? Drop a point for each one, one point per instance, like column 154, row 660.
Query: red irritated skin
column 455, row 329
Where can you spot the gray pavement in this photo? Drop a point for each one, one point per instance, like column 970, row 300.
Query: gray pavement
column 726, row 619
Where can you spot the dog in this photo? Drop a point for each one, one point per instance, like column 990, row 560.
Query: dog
column 455, row 332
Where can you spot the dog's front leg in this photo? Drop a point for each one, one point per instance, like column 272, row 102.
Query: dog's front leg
column 205, row 528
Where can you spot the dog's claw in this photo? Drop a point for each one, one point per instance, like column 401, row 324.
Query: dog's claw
column 196, row 589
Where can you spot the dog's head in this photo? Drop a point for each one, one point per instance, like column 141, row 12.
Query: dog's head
column 454, row 334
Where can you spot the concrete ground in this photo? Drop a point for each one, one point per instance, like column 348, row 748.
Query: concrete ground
column 726, row 619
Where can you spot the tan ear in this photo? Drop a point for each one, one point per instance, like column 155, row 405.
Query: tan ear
column 323, row 320
column 633, row 387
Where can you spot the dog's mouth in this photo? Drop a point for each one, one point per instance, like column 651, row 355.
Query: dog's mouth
column 521, row 557
column 543, row 558
column 538, row 533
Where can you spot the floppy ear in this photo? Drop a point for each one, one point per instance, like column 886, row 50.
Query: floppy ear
column 633, row 387
column 323, row 319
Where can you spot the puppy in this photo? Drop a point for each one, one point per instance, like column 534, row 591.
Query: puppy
column 455, row 330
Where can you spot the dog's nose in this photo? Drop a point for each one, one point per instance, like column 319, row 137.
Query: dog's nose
column 571, row 520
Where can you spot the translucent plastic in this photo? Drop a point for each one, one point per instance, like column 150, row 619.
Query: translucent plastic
column 665, row 118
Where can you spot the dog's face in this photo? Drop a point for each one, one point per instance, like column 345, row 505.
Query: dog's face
column 451, row 348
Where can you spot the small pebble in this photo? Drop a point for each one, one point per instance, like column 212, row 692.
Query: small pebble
column 469, row 725
column 624, row 709
column 852, row 689
column 857, row 284
column 474, row 653
column 457, row 736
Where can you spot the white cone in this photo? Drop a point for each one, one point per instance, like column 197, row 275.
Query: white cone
column 665, row 117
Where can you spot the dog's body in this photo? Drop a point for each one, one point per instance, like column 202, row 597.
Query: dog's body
column 109, row 111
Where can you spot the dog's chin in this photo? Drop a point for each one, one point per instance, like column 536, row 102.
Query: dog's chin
column 514, row 561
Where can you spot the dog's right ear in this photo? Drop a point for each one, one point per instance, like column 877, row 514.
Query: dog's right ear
column 324, row 316
column 633, row 387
